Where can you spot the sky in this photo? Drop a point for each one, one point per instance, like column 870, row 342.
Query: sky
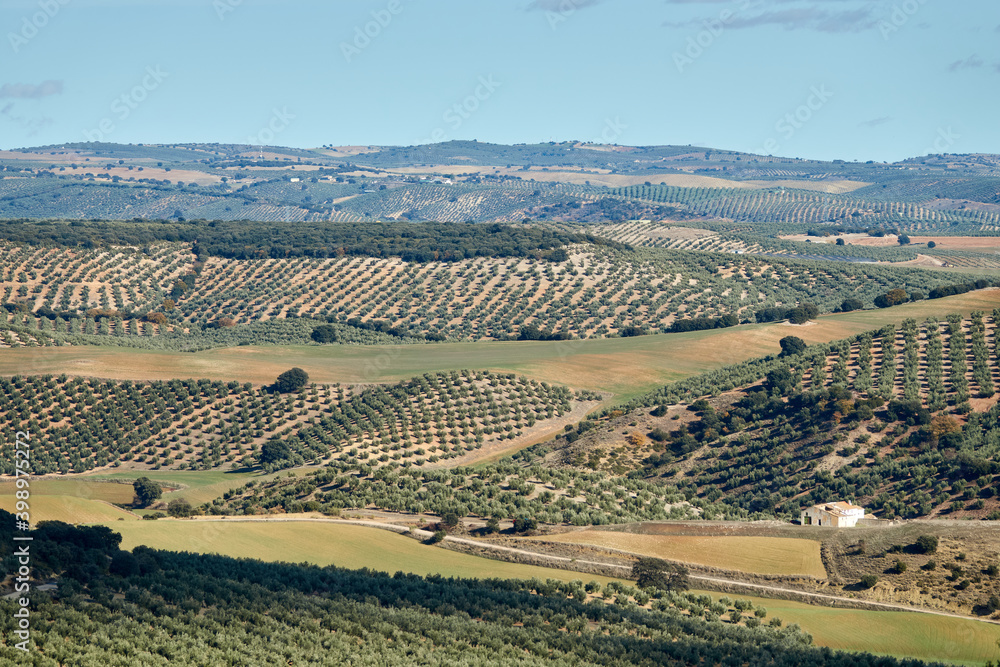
column 823, row 79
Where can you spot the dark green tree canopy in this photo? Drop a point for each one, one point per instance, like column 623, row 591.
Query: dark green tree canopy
column 274, row 451
column 146, row 492
column 658, row 573
column 291, row 380
column 791, row 345
column 325, row 333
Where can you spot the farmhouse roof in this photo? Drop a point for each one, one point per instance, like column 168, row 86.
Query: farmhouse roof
column 839, row 508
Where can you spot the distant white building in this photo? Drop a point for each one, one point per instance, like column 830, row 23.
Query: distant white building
column 835, row 515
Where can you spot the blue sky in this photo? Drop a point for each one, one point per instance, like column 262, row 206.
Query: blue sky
column 880, row 80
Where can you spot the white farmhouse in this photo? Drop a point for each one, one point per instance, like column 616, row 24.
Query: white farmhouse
column 836, row 515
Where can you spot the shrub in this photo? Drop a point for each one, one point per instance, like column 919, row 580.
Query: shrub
column 179, row 508
column 523, row 525
column 927, row 544
column 868, row 581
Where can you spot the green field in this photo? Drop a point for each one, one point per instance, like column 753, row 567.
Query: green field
column 196, row 486
column 69, row 509
column 76, row 486
column 625, row 367
column 754, row 555
column 321, row 543
column 900, row 634
column 51, row 498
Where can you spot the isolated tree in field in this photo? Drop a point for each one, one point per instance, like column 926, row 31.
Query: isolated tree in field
column 931, row 244
column 658, row 573
column 179, row 508
column 791, row 345
column 840, row 241
column 273, row 451
column 798, row 316
column 291, row 380
column 903, row 239
column 893, row 297
column 146, row 492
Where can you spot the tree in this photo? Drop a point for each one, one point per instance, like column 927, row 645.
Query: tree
column 797, row 316
column 179, row 508
column 523, row 525
column 146, row 492
column 529, row 332
column 868, row 580
column 780, row 379
column 324, row 333
column 156, row 318
column 791, row 345
column 658, row 573
column 893, row 297
column 931, row 244
column 291, row 380
column 632, row 331
column 903, row 239
column 851, row 304
column 840, row 241
column 927, row 544
column 273, row 451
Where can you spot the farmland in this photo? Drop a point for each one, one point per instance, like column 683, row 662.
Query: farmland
column 754, row 555
column 203, row 424
column 895, row 633
column 321, row 543
column 594, row 293
column 591, row 351
column 59, row 508
column 625, row 367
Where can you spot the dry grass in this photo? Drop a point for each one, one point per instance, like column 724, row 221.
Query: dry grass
column 753, row 555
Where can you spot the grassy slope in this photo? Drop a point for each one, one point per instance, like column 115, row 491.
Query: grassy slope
column 625, row 367
column 76, row 486
column 755, row 555
column 901, row 634
column 197, row 486
column 69, row 509
column 325, row 544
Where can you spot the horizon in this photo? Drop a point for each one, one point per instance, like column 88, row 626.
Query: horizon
column 851, row 80
column 556, row 142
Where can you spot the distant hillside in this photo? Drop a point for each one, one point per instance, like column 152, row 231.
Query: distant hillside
column 464, row 181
